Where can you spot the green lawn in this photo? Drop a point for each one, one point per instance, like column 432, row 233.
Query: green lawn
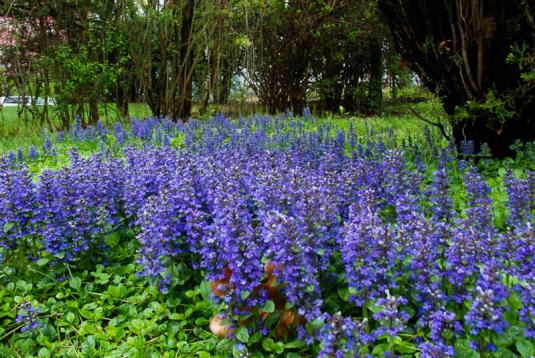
column 11, row 124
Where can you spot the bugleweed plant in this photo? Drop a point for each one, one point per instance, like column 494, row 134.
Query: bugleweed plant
column 296, row 238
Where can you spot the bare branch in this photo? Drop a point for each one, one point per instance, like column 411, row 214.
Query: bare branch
column 439, row 125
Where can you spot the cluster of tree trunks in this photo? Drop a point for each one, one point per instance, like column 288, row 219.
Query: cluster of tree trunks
column 332, row 50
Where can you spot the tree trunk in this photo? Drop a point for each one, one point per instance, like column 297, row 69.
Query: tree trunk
column 214, row 82
column 223, row 91
column 186, row 55
column 93, row 111
column 122, row 98
column 375, row 86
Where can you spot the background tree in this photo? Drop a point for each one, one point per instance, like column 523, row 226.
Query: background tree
column 172, row 41
column 478, row 56
column 348, row 60
column 328, row 52
column 26, row 33
column 66, row 51
column 282, row 47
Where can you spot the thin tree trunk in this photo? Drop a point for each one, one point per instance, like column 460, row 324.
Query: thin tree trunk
column 375, row 89
column 93, row 111
column 186, row 54
column 223, row 92
column 122, row 98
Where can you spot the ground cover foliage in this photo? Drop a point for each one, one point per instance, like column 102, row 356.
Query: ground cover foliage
column 265, row 236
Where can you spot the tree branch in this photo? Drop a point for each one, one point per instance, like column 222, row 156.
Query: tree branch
column 439, row 125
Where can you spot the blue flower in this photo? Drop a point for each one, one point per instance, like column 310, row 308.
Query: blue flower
column 28, row 314
column 392, row 320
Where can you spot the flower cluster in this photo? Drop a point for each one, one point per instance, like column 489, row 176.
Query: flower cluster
column 486, row 312
column 441, row 324
column 341, row 335
column 28, row 315
column 329, row 210
column 393, row 320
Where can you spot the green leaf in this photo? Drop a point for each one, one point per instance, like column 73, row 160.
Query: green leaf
column 206, row 290
column 269, row 307
column 136, row 325
column 86, row 313
column 379, row 350
column 505, row 339
column 176, row 316
column 504, row 353
column 268, row 344
column 91, row 306
column 295, row 344
column 525, row 348
column 245, row 294
column 43, row 352
column 87, row 328
column 118, row 291
column 191, row 293
column 8, row 226
column 407, row 347
column 514, row 301
column 22, row 286
column 115, row 333
column 292, row 355
column 343, row 293
column 256, row 337
column 113, row 238
column 26, row 346
column 373, row 307
column 101, row 278
column 279, row 347
column 42, row 262
column 70, row 317
column 397, row 340
column 98, row 314
column 75, row 283
column 242, row 335
column 463, row 349
column 201, row 321
column 90, row 341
